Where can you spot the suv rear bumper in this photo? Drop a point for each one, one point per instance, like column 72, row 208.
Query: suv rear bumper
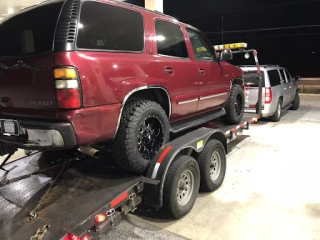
column 43, row 135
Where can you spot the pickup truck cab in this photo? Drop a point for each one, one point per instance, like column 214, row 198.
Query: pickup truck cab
column 75, row 73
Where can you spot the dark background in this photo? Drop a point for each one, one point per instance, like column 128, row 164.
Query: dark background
column 296, row 48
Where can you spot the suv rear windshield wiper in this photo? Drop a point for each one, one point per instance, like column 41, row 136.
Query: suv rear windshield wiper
column 19, row 65
column 3, row 66
column 23, row 65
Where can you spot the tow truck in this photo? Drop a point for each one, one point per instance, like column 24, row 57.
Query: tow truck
column 74, row 197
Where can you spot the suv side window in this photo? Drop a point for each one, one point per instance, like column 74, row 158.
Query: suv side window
column 288, row 76
column 274, row 77
column 170, row 40
column 200, row 45
column 111, row 29
column 283, row 75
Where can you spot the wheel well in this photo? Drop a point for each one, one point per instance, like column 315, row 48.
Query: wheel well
column 217, row 136
column 238, row 81
column 281, row 98
column 221, row 138
column 153, row 94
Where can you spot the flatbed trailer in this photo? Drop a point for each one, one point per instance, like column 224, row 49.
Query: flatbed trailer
column 76, row 198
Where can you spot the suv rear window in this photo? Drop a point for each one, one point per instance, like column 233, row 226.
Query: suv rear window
column 110, row 28
column 30, row 32
column 274, row 78
column 251, row 79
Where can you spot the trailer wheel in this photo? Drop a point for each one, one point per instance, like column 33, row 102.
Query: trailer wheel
column 181, row 186
column 212, row 162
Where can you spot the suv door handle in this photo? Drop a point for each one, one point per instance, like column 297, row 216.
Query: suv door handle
column 168, row 71
column 201, row 71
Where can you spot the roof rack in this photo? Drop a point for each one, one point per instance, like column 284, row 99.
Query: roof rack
column 263, row 66
column 270, row 65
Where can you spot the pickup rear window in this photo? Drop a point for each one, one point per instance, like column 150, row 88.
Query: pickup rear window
column 31, row 31
column 251, row 79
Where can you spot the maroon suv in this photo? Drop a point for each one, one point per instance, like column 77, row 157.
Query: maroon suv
column 75, row 73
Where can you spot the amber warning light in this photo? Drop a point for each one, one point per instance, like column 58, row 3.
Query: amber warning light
column 230, row 46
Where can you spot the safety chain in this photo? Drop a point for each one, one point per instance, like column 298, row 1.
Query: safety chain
column 8, row 181
column 35, row 212
column 40, row 233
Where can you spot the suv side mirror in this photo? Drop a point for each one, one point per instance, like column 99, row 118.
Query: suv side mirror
column 297, row 78
column 226, row 55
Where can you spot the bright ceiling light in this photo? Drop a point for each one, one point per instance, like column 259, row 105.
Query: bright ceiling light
column 10, row 10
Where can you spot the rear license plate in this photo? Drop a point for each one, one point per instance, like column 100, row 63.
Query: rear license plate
column 10, row 126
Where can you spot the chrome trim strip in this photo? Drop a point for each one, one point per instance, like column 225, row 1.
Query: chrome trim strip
column 155, row 171
column 136, row 90
column 188, row 101
column 213, row 96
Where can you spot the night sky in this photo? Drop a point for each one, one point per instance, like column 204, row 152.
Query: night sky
column 296, row 48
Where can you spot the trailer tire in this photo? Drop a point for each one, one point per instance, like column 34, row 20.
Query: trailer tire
column 181, row 186
column 235, row 106
column 213, row 163
column 139, row 119
column 296, row 102
column 277, row 115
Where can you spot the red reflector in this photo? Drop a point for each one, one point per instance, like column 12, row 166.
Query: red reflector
column 68, row 98
column 100, row 218
column 252, row 106
column 71, row 236
column 86, row 237
column 119, row 199
column 163, row 154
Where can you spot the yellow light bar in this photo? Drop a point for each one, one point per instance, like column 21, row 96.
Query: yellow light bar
column 231, row 46
column 202, row 49
column 65, row 73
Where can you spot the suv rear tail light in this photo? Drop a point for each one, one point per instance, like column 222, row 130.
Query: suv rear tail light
column 268, row 96
column 67, row 88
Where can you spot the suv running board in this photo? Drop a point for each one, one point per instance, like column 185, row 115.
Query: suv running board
column 196, row 121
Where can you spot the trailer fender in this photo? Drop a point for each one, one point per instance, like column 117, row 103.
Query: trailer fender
column 160, row 165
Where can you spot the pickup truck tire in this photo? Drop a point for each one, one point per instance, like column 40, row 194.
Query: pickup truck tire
column 277, row 115
column 181, row 186
column 296, row 102
column 213, row 163
column 235, row 106
column 144, row 128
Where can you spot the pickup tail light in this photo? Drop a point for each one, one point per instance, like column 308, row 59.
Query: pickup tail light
column 71, row 236
column 67, row 87
column 268, row 96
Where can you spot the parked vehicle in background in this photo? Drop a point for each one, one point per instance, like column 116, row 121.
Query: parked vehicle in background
column 77, row 73
column 279, row 90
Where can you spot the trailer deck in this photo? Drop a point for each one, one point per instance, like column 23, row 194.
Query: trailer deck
column 83, row 189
